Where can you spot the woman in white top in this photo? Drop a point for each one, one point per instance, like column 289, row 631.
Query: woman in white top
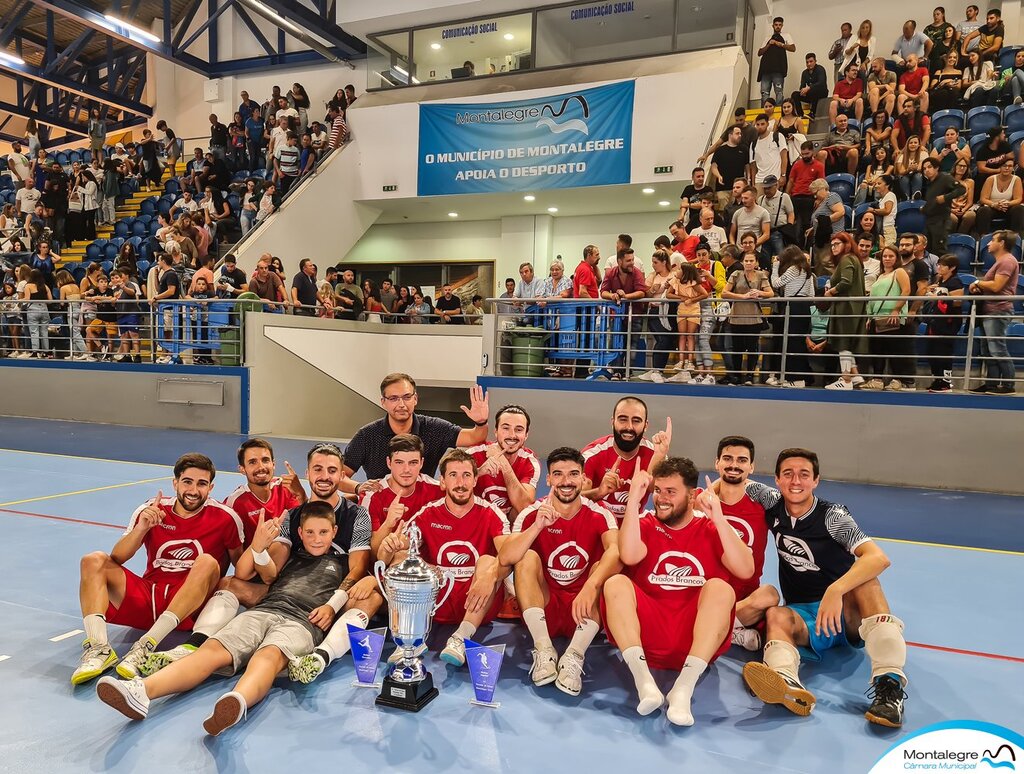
column 89, row 192
column 979, row 78
column 76, row 210
column 909, row 170
column 886, row 209
column 32, row 135
column 1001, row 198
column 861, row 49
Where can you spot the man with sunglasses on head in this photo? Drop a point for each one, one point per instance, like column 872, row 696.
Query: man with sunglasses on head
column 368, row 449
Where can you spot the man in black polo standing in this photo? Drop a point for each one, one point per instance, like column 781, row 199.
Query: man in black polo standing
column 304, row 289
column 218, row 138
column 368, row 448
column 942, row 190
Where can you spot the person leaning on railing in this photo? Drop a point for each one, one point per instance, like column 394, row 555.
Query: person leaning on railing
column 1000, row 280
column 791, row 278
column 889, row 334
column 942, row 312
column 744, row 289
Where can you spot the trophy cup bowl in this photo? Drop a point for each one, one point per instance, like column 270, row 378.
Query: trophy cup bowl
column 412, row 589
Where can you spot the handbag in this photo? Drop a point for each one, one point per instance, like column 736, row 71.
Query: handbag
column 882, row 323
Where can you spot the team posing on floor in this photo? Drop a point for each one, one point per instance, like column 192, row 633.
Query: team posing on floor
column 674, row 585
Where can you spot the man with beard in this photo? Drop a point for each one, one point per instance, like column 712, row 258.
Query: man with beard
column 735, row 464
column 189, row 540
column 462, row 535
column 828, row 572
column 262, row 492
column 673, row 606
column 563, row 549
column 610, row 462
column 508, row 471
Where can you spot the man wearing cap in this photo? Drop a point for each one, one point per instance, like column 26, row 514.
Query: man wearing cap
column 781, row 215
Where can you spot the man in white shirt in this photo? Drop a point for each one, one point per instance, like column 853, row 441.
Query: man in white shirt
column 186, row 204
column 28, row 196
column 768, row 155
column 18, row 164
column 714, row 235
column 318, row 138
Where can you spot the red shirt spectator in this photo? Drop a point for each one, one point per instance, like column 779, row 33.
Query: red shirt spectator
column 913, row 80
column 847, row 90
column 802, row 174
column 585, row 276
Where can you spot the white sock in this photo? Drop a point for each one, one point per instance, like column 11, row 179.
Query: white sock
column 164, row 625
column 96, row 629
column 510, row 585
column 337, row 643
column 682, row 692
column 537, row 623
column 650, row 697
column 466, row 630
column 883, row 640
column 222, row 607
column 783, row 658
column 584, row 635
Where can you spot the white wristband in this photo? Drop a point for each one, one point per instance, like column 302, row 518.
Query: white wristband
column 338, row 600
column 261, row 558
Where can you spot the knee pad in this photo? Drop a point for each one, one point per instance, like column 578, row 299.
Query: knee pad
column 873, row 622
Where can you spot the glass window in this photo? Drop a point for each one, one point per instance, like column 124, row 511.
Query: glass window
column 592, row 32
column 485, row 46
column 387, row 61
column 705, row 24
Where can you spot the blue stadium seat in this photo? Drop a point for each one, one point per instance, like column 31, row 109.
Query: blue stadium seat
column 1016, row 138
column 136, row 242
column 146, row 251
column 240, row 175
column 172, row 186
column 144, row 219
column 110, row 251
column 909, row 217
column 943, row 119
column 107, row 266
column 1006, row 56
column 87, row 155
column 1015, row 343
column 843, row 184
column 62, row 158
column 122, row 228
column 93, row 251
column 117, row 242
column 965, row 248
column 260, row 174
column 235, row 203
column 74, row 155
column 848, row 220
column 143, row 268
column 148, row 206
column 7, row 183
column 154, row 226
column 139, row 229
column 100, row 243
column 986, row 256
column 1018, row 306
column 983, row 118
column 78, row 273
column 1013, row 118
column 821, row 282
column 976, row 141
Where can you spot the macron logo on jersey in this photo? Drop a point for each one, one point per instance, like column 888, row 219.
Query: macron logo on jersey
column 177, row 555
column 677, row 570
column 459, row 557
column 567, row 563
column 796, row 553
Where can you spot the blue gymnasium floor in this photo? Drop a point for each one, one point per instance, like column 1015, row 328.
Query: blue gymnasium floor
column 58, row 500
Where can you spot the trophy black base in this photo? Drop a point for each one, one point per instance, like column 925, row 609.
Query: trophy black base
column 411, row 697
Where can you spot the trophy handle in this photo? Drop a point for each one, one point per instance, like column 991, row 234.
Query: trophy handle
column 378, row 574
column 448, row 585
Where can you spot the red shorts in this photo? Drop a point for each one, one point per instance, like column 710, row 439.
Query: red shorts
column 454, row 608
column 558, row 613
column 666, row 630
column 144, row 601
column 744, row 588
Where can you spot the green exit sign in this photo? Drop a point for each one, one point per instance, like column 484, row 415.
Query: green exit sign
column 663, row 170
column 389, row 188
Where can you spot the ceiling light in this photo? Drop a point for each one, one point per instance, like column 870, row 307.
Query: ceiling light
column 648, row 190
column 508, row 36
column 132, row 28
column 453, row 214
column 552, row 209
column 436, row 46
column 529, row 198
column 664, row 203
column 11, row 58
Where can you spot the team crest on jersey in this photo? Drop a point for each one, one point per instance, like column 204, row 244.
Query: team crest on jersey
column 177, row 555
column 741, row 528
column 797, row 553
column 567, row 563
column 622, row 495
column 459, row 558
column 677, row 570
column 497, row 496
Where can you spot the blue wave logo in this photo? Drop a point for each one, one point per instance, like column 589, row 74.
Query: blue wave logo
column 570, row 124
column 992, row 759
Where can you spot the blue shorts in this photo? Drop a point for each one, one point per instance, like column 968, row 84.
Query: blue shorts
column 128, row 323
column 818, row 643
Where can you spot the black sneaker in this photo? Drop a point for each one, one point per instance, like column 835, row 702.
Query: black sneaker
column 981, row 389
column 1002, row 389
column 136, row 358
column 941, row 385
column 887, row 696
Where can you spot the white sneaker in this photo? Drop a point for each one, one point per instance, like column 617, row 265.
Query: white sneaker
column 454, row 652
column 895, row 385
column 94, row 661
column 772, row 381
column 798, row 384
column 132, row 664
column 396, row 657
column 306, row 669
column 689, row 366
column 709, row 379
column 570, row 673
column 228, row 711
column 651, row 376
column 681, row 377
column 545, row 666
column 748, row 639
column 163, row 360
column 128, row 697
column 839, row 384
column 163, row 658
column 858, row 379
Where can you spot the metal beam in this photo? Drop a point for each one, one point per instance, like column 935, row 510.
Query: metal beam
column 68, row 85
column 257, row 63
column 11, row 22
column 257, row 33
column 59, row 123
column 209, row 26
column 307, row 19
column 86, row 16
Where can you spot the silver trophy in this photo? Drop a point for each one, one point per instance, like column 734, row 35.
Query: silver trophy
column 413, row 590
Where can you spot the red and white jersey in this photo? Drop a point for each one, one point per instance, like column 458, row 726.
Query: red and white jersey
column 678, row 561
column 599, row 457
column 455, row 544
column 747, row 518
column 427, row 490
column 173, row 545
column 247, row 505
column 569, row 547
column 492, row 488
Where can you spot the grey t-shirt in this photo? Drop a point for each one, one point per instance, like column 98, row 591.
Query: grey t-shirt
column 849, row 137
column 305, row 583
column 750, row 221
column 915, row 45
column 779, row 208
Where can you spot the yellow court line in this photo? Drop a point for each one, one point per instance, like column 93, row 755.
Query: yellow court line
column 947, row 545
column 83, row 491
column 75, row 457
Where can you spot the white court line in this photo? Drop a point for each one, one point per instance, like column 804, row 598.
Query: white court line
column 66, row 635
column 4, row 658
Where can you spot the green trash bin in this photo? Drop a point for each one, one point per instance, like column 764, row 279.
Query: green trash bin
column 230, row 338
column 527, row 351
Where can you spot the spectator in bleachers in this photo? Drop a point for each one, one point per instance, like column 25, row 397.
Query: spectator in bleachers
column 954, row 148
column 790, row 126
column 993, row 154
column 1000, row 280
column 913, row 85
column 847, row 97
column 846, row 323
column 911, row 121
column 318, row 138
column 939, row 28
column 529, row 283
column 965, row 28
column 861, row 49
column 912, row 260
column 941, row 48
column 28, row 196
column 1013, row 80
column 387, row 294
column 339, row 100
column 840, row 150
column 714, row 235
column 979, row 80
column 750, row 218
column 686, row 289
column 373, row 305
column 881, row 89
column 837, row 53
column 963, row 213
column 942, row 190
column 270, row 106
column 943, row 316
column 188, row 225
column 299, row 100
column 419, row 310
column 747, row 134
column 304, row 289
column 887, row 325
column 267, row 285
column 349, row 297
column 661, row 319
column 88, row 190
column 813, row 83
column 909, row 168
column 910, row 44
column 205, row 273
column 45, row 260
column 151, row 169
column 828, row 216
column 40, row 169
column 350, row 94
column 267, row 202
column 774, row 66
column 127, row 297
column 748, row 246
column 250, row 201
column 945, row 89
column 556, row 285
column 254, row 139
column 769, row 156
column 247, row 106
column 218, row 138
column 11, row 318
column 1001, row 201
column 55, row 197
column 734, row 201
column 405, row 299
column 193, row 167
column 781, row 217
column 689, row 199
column 215, row 174
column 307, row 156
column 791, row 277
column 585, row 278
column 18, row 164
column 217, row 215
column 277, row 267
column 886, row 209
column 232, row 281
column 744, row 289
column 880, row 164
column 989, row 36
column 237, row 158
column 865, row 245
column 35, row 295
column 804, row 171
column 276, row 137
column 97, row 130
column 286, row 163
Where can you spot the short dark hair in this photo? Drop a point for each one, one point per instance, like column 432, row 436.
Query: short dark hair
column 807, row 145
column 589, row 251
column 803, row 454
column 194, row 460
column 866, row 235
column 778, row 19
column 633, row 398
column 949, row 261
column 695, row 170
column 626, row 239
column 663, row 242
column 326, row 448
column 254, row 443
column 456, row 455
column 317, row 509
column 395, row 378
column 995, row 12
column 930, row 162
column 512, row 408
column 736, row 440
column 565, row 454
column 677, row 466
column 405, row 442
column 761, row 117
column 811, row 55
column 620, row 254
column 1007, row 237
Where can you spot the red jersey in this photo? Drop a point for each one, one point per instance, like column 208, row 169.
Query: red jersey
column 913, row 81
column 678, row 561
column 173, row 545
column 846, row 90
column 525, row 465
column 803, row 173
column 585, row 276
column 599, row 457
column 247, row 505
column 376, row 504
column 569, row 547
column 747, row 518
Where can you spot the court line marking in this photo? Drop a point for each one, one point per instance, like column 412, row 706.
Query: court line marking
column 961, row 652
column 67, row 635
column 83, row 491
column 67, row 519
column 4, row 658
column 1003, row 551
column 76, row 457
